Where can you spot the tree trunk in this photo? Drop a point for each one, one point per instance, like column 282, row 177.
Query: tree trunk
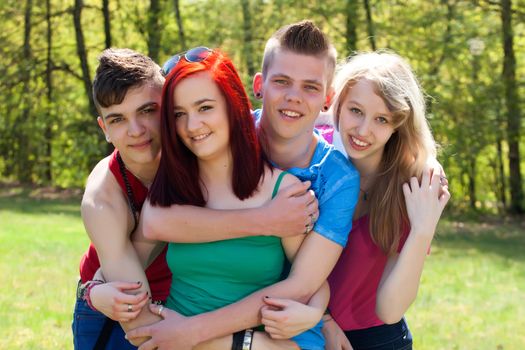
column 247, row 37
column 447, row 38
column 472, row 182
column 154, row 31
column 178, row 18
column 513, row 111
column 107, row 22
column 82, row 56
column 370, row 25
column 22, row 125
column 501, row 174
column 351, row 26
column 50, row 106
column 107, row 32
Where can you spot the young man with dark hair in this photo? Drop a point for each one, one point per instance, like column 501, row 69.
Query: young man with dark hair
column 127, row 91
column 295, row 86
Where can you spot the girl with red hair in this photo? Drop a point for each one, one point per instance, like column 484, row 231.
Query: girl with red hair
column 211, row 158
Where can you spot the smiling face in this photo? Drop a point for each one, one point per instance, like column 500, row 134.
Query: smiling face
column 294, row 91
column 133, row 126
column 202, row 116
column 365, row 124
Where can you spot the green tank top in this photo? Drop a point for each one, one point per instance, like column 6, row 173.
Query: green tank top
column 208, row 276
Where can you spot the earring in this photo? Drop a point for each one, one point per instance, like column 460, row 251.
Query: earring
column 108, row 139
column 325, row 108
column 258, row 95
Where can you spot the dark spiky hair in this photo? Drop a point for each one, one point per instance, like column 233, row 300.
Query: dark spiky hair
column 120, row 70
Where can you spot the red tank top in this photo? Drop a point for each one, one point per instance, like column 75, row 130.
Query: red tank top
column 355, row 278
column 158, row 273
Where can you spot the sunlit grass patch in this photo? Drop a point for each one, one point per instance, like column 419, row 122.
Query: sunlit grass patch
column 472, row 294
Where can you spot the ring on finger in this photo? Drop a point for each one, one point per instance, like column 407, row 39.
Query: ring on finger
column 130, row 308
column 159, row 311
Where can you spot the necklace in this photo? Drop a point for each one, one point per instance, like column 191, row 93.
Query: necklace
column 129, row 192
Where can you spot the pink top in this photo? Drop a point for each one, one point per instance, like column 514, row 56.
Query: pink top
column 355, row 279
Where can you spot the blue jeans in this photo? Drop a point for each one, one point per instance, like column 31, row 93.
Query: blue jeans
column 395, row 336
column 87, row 325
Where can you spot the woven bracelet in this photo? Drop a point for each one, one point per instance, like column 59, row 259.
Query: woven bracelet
column 87, row 296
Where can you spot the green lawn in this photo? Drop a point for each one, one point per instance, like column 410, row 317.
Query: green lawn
column 41, row 242
column 472, row 294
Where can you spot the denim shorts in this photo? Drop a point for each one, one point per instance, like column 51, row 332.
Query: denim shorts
column 87, row 325
column 311, row 339
column 395, row 336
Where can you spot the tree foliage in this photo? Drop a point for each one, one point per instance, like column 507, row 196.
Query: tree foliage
column 48, row 132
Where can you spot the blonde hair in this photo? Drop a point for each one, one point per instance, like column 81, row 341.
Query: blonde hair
column 407, row 150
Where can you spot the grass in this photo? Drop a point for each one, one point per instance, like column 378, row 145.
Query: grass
column 471, row 297
column 473, row 288
column 41, row 242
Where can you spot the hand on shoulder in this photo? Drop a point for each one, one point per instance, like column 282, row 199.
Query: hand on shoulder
column 424, row 202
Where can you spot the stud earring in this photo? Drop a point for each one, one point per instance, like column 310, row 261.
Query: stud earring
column 258, row 95
column 325, row 108
column 108, row 139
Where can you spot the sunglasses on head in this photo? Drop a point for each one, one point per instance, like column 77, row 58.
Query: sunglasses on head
column 197, row 54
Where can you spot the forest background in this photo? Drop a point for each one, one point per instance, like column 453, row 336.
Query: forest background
column 468, row 55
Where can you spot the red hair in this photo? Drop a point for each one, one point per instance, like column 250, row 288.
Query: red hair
column 177, row 180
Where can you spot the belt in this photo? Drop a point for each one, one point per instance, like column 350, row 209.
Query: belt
column 378, row 335
column 81, row 289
